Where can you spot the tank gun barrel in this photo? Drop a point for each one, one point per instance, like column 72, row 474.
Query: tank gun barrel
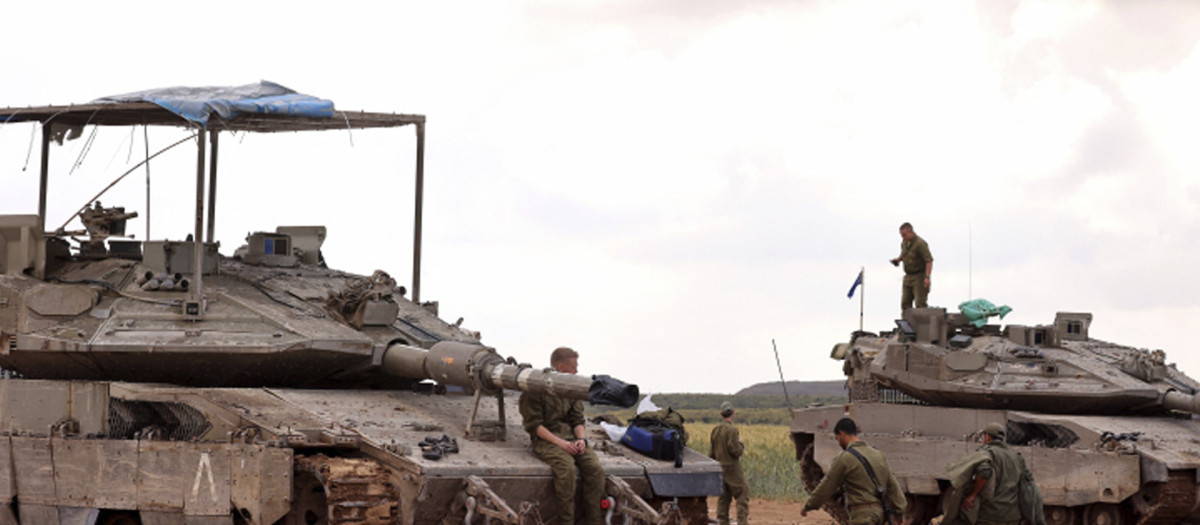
column 1173, row 400
column 482, row 368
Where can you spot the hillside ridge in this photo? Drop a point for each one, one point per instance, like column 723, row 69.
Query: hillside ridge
column 796, row 388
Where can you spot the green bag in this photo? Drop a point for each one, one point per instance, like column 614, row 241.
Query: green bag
column 666, row 416
column 1029, row 497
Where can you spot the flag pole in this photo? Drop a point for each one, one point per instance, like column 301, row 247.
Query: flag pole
column 862, row 296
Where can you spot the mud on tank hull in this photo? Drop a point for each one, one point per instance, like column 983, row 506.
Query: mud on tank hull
column 82, row 452
column 1093, row 470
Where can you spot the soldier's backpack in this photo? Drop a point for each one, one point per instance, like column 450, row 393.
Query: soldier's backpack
column 667, row 416
column 1029, row 497
column 658, row 434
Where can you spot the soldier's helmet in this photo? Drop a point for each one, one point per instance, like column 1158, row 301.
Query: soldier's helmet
column 995, row 430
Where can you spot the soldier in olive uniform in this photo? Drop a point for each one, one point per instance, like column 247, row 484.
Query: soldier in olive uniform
column 727, row 449
column 557, row 436
column 849, row 474
column 918, row 266
column 1004, row 466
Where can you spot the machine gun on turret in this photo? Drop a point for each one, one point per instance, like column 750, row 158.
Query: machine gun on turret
column 99, row 223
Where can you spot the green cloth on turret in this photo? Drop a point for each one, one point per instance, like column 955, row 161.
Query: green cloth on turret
column 978, row 310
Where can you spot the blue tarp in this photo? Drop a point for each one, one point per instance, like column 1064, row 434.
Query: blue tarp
column 197, row 104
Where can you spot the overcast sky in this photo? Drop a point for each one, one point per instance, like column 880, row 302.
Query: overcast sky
column 668, row 186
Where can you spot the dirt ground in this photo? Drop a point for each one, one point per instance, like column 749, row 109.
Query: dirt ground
column 764, row 512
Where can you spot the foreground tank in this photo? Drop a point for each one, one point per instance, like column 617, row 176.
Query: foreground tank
column 1108, row 430
column 164, row 383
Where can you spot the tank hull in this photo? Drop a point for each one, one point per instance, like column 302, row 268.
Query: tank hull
column 1085, row 466
column 170, row 454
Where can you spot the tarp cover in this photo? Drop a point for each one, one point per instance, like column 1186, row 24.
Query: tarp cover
column 978, row 310
column 198, row 103
column 608, row 390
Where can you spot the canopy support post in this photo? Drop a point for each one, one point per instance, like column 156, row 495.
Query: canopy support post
column 44, row 184
column 146, row 140
column 212, row 186
column 416, row 297
column 194, row 308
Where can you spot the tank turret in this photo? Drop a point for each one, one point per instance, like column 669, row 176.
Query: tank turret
column 944, row 359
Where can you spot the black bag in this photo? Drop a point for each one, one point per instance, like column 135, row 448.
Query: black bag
column 607, row 390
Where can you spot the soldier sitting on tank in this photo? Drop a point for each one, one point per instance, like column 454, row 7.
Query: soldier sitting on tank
column 557, row 433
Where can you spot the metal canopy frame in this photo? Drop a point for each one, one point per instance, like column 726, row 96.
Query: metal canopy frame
column 150, row 114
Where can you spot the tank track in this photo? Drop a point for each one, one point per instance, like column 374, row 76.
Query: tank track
column 693, row 511
column 357, row 491
column 811, row 474
column 1168, row 502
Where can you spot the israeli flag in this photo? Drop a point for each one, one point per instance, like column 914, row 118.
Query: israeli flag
column 857, row 283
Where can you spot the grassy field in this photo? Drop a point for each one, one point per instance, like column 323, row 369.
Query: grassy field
column 769, row 461
column 704, row 408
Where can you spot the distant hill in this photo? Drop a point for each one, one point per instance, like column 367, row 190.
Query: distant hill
column 762, row 404
column 797, row 388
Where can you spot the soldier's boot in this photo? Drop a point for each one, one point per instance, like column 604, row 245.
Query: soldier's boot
column 723, row 508
column 743, row 513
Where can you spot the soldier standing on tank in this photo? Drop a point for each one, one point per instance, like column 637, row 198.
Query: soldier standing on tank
column 1004, row 466
column 727, row 449
column 849, row 474
column 918, row 266
column 558, row 437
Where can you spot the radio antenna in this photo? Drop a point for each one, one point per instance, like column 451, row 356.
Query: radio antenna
column 782, row 383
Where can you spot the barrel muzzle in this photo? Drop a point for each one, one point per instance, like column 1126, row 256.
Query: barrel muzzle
column 1174, row 400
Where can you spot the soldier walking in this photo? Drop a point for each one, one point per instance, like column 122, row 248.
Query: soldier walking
column 557, row 436
column 855, row 471
column 726, row 448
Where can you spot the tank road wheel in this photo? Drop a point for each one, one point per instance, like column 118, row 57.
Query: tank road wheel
column 1103, row 514
column 811, row 474
column 1058, row 515
column 310, row 506
column 693, row 511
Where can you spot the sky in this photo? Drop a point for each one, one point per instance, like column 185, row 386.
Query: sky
column 673, row 188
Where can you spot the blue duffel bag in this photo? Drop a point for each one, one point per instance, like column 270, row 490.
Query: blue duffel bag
column 658, row 442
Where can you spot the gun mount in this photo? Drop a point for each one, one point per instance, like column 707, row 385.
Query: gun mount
column 99, row 223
